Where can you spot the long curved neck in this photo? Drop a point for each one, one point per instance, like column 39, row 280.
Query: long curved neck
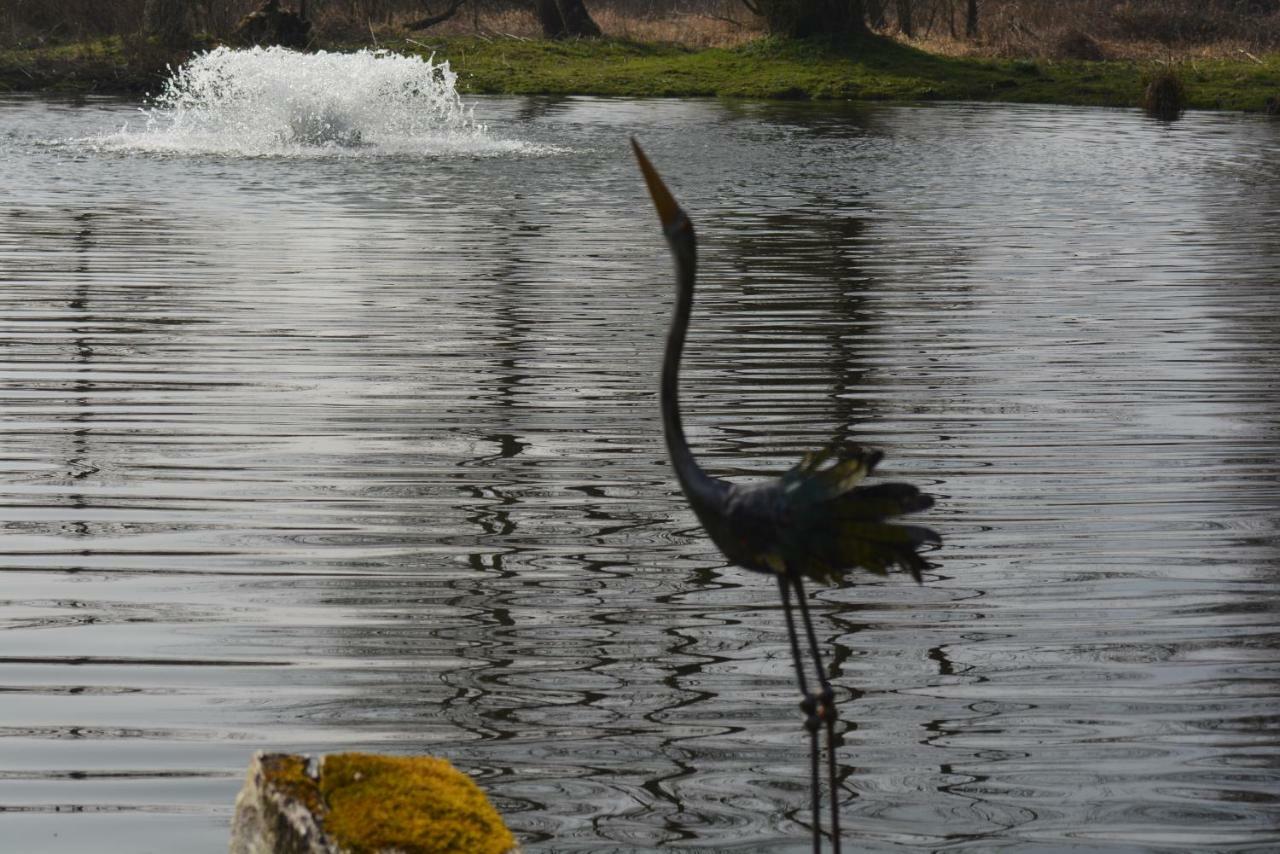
column 695, row 482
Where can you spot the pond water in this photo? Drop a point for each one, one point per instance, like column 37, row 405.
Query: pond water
column 332, row 447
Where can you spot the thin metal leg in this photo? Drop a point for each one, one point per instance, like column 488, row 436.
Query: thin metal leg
column 810, row 707
column 827, row 712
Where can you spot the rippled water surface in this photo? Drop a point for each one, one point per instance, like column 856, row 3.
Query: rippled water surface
column 349, row 449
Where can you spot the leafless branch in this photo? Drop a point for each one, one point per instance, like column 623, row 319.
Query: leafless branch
column 432, row 20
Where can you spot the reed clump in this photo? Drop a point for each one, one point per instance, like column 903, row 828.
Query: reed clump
column 1165, row 96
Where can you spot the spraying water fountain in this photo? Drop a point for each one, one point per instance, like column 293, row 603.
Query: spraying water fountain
column 278, row 102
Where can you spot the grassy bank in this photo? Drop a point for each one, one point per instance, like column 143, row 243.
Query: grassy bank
column 110, row 65
column 876, row 69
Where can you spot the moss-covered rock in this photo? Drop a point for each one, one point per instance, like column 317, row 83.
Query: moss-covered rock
column 415, row 804
column 360, row 803
column 279, row 810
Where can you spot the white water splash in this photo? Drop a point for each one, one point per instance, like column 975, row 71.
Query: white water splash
column 278, row 102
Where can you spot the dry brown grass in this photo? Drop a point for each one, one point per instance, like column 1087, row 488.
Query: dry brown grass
column 719, row 24
column 1053, row 46
column 1055, row 29
column 1119, row 29
column 714, row 23
column 1084, row 29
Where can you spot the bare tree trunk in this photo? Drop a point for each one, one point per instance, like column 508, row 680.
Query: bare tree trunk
column 549, row 17
column 875, row 14
column 904, row 18
column 577, row 20
column 565, row 19
column 432, row 20
column 971, row 19
column 166, row 21
column 933, row 16
column 804, row 18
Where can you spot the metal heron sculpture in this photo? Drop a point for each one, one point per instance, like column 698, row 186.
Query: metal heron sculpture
column 814, row 522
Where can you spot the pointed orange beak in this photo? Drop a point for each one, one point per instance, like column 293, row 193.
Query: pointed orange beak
column 668, row 210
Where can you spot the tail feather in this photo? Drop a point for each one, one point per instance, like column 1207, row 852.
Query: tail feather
column 881, row 502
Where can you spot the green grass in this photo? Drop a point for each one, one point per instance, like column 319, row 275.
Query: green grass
column 876, row 69
column 873, row 69
column 109, row 65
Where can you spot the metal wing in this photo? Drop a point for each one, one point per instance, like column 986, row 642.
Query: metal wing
column 833, row 525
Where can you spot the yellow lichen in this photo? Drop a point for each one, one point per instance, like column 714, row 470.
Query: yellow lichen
column 417, row 805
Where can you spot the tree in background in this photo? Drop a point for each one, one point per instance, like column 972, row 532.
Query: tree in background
column 432, row 19
column 270, row 25
column 565, row 19
column 876, row 14
column 804, row 18
column 906, row 24
column 167, row 21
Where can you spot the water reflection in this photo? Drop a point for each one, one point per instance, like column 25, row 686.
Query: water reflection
column 365, row 454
